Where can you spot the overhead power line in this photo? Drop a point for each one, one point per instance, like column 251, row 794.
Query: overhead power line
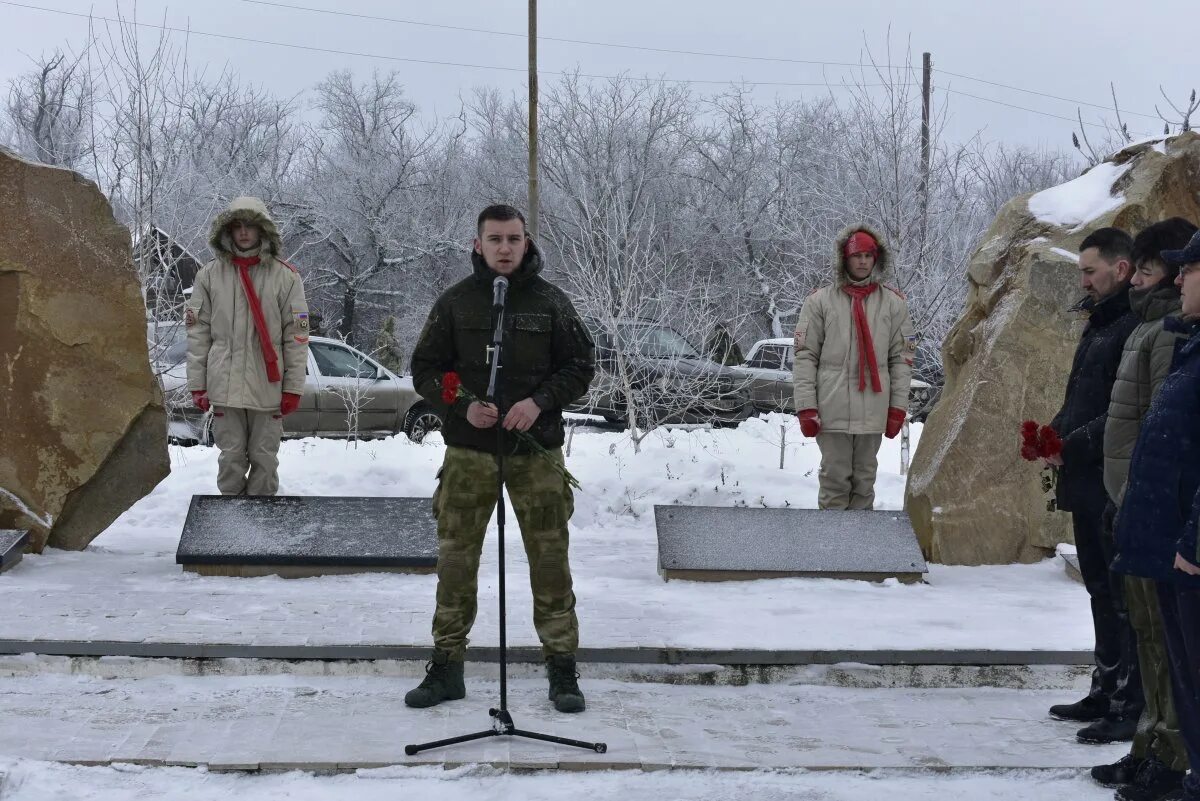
column 497, row 67
column 674, row 51
column 405, row 59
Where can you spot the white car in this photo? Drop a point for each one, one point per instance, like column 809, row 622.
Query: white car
column 338, row 378
column 768, row 368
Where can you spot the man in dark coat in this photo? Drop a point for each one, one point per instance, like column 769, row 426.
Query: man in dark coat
column 1156, row 528
column 1114, row 701
column 548, row 362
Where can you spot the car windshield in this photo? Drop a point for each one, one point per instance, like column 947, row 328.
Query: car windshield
column 655, row 342
column 170, row 348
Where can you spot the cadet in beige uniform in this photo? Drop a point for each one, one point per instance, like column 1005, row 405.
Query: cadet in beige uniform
column 854, row 350
column 247, row 324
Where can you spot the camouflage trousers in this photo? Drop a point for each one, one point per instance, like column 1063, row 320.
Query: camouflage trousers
column 849, row 463
column 463, row 505
column 1158, row 731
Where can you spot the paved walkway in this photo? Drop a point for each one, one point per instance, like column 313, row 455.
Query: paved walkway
column 293, row 722
column 144, row 599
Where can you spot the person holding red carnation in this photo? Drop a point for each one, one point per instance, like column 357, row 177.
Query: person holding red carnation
column 1114, row 700
column 548, row 363
column 247, row 328
column 854, row 349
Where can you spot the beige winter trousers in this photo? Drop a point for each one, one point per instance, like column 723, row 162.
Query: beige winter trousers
column 249, row 441
column 848, row 466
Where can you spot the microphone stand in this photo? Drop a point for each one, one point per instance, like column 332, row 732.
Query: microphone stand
column 502, row 722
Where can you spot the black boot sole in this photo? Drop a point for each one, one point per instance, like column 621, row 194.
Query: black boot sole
column 1103, row 740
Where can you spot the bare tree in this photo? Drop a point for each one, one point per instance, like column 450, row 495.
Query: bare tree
column 50, row 110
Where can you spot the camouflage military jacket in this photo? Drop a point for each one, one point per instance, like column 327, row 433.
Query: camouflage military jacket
column 548, row 354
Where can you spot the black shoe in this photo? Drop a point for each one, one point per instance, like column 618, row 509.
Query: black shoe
column 1123, row 771
column 443, row 682
column 1154, row 782
column 564, row 683
column 1111, row 729
column 1084, row 711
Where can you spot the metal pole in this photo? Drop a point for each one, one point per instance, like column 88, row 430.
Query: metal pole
column 923, row 184
column 533, row 121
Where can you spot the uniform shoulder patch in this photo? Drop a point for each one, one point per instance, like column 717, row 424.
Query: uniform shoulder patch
column 288, row 264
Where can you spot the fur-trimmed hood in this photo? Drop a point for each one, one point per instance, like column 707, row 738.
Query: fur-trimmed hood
column 883, row 265
column 250, row 209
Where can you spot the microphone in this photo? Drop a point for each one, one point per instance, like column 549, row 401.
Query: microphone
column 499, row 292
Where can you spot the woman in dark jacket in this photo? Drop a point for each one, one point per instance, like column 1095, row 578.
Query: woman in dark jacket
column 1156, row 529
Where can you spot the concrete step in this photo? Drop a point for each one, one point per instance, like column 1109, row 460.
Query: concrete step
column 344, row 724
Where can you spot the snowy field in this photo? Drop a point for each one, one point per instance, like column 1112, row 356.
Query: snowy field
column 127, row 587
column 39, row 781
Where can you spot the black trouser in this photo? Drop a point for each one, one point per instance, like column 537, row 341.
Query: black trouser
column 1181, row 626
column 1117, row 677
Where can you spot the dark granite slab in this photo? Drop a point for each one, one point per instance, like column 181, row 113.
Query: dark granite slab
column 12, row 547
column 731, row 543
column 298, row 532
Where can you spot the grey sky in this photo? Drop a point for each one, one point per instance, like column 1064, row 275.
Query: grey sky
column 1070, row 48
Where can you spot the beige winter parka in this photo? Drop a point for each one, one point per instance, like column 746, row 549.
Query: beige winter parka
column 225, row 356
column 826, row 372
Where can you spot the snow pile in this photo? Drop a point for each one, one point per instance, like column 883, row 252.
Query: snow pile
column 1082, row 200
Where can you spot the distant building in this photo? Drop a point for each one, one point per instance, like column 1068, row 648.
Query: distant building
column 167, row 270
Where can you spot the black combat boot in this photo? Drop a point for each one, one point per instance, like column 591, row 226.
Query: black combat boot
column 1123, row 771
column 564, row 684
column 1154, row 782
column 1085, row 711
column 1109, row 729
column 443, row 682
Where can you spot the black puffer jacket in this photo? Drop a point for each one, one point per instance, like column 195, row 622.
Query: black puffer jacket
column 1081, row 421
column 548, row 354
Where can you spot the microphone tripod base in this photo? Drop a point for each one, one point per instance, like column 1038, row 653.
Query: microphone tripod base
column 503, row 726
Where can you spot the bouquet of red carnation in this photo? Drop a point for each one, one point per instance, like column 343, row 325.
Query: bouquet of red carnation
column 1039, row 442
column 453, row 389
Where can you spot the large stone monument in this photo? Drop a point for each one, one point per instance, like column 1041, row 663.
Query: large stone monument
column 82, row 426
column 971, row 498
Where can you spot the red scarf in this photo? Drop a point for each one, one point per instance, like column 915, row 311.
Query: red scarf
column 866, row 344
column 244, row 263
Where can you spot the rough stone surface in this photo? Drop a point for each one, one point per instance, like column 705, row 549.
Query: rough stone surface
column 971, row 498
column 357, row 534
column 732, row 542
column 83, row 433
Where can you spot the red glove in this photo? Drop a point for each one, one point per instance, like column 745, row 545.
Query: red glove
column 200, row 400
column 895, row 422
column 289, row 404
column 810, row 422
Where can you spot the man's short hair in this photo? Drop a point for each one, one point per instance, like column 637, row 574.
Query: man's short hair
column 1113, row 244
column 1170, row 234
column 501, row 212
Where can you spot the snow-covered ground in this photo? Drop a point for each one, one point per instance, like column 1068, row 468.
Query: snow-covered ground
column 39, row 781
column 127, row 587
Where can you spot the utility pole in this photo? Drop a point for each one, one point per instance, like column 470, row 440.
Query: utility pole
column 923, row 184
column 533, row 121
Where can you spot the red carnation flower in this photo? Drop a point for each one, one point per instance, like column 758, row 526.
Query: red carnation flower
column 1029, row 452
column 1029, row 429
column 1051, row 443
column 451, row 384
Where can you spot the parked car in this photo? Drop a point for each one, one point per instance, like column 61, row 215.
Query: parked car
column 768, row 367
column 338, row 376
column 671, row 381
